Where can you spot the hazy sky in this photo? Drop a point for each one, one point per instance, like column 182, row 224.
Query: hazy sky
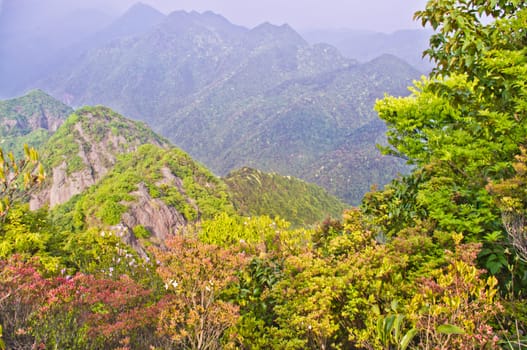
column 380, row 15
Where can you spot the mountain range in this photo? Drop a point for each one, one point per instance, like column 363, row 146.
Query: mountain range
column 364, row 46
column 105, row 170
column 96, row 156
column 232, row 96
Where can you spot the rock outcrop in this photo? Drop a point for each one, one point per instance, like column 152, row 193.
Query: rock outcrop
column 84, row 149
column 153, row 214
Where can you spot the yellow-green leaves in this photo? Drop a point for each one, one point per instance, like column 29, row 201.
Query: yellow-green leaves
column 18, row 177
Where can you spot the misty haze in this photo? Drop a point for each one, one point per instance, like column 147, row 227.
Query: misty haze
column 263, row 175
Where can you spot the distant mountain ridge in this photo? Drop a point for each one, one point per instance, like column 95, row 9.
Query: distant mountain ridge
column 233, row 97
column 364, row 46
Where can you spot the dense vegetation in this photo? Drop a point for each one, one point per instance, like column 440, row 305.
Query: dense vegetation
column 168, row 175
column 436, row 260
column 256, row 193
column 93, row 128
column 30, row 119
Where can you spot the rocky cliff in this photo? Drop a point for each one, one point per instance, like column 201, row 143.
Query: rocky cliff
column 84, row 149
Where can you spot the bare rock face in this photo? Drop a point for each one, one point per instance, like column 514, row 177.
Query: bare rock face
column 153, row 214
column 64, row 187
column 45, row 120
column 127, row 236
column 31, row 112
column 98, row 147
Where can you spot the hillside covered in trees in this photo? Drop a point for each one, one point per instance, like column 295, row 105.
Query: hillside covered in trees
column 230, row 96
column 437, row 259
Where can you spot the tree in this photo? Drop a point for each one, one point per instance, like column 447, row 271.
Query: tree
column 511, row 196
column 17, row 177
column 463, row 126
column 196, row 275
column 467, row 30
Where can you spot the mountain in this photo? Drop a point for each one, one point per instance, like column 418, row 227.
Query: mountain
column 84, row 149
column 152, row 188
column 364, row 46
column 234, row 97
column 30, row 119
column 254, row 193
column 139, row 18
column 104, row 169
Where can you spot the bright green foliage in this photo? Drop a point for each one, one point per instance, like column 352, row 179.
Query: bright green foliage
column 100, row 129
column 34, row 139
column 227, row 230
column 390, row 332
column 463, row 126
column 141, row 232
column 167, row 175
column 395, row 207
column 465, row 34
column 29, row 234
column 257, row 316
column 104, row 254
column 30, row 119
column 256, row 193
column 457, row 152
column 2, row 344
column 17, row 177
column 324, row 295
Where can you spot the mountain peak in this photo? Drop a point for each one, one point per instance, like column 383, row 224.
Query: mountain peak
column 284, row 32
column 390, row 60
column 140, row 12
column 142, row 8
column 85, row 148
column 30, row 119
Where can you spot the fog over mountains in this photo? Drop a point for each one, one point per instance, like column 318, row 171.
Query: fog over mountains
column 378, row 15
column 229, row 95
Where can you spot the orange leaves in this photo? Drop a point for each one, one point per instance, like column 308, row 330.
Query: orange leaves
column 196, row 276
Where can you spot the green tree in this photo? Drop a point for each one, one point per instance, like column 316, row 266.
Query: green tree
column 463, row 126
column 466, row 31
column 17, row 177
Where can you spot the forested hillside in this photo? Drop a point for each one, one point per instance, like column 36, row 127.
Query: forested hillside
column 256, row 193
column 30, row 119
column 435, row 260
column 234, row 97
